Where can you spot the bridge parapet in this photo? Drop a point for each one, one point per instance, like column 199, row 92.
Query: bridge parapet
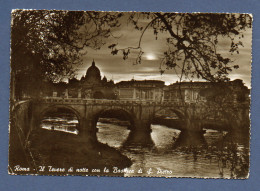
column 61, row 100
column 114, row 102
column 196, row 106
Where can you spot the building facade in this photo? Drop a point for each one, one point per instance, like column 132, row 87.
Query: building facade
column 92, row 86
column 140, row 90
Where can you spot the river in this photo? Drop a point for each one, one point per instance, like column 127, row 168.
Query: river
column 219, row 159
column 163, row 160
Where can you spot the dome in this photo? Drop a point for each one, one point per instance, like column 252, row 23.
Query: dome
column 93, row 73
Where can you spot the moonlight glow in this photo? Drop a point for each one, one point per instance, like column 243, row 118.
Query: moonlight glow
column 150, row 56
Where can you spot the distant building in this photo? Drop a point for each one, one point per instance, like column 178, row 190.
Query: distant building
column 234, row 91
column 140, row 90
column 92, row 86
column 187, row 91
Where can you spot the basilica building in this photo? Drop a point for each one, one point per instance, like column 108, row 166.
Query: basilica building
column 91, row 85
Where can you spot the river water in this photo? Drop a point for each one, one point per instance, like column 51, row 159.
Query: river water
column 163, row 160
column 217, row 160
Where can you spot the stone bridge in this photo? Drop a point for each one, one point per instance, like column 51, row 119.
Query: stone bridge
column 139, row 113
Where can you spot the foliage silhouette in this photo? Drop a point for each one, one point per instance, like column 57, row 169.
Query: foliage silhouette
column 49, row 45
column 192, row 41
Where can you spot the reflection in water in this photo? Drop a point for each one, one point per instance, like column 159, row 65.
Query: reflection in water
column 111, row 134
column 190, row 139
column 66, row 122
column 218, row 157
column 163, row 152
column 138, row 139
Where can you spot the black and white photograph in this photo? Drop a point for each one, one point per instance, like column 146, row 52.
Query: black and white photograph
column 130, row 94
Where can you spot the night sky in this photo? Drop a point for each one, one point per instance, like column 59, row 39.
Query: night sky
column 114, row 67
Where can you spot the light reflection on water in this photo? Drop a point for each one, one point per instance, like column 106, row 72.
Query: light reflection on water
column 65, row 124
column 162, row 158
column 111, row 134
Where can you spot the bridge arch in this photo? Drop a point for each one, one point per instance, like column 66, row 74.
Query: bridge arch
column 124, row 134
column 52, row 108
column 170, row 117
column 115, row 112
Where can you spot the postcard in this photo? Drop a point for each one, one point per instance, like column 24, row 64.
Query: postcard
column 133, row 94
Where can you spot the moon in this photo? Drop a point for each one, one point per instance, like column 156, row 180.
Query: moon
column 150, row 56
